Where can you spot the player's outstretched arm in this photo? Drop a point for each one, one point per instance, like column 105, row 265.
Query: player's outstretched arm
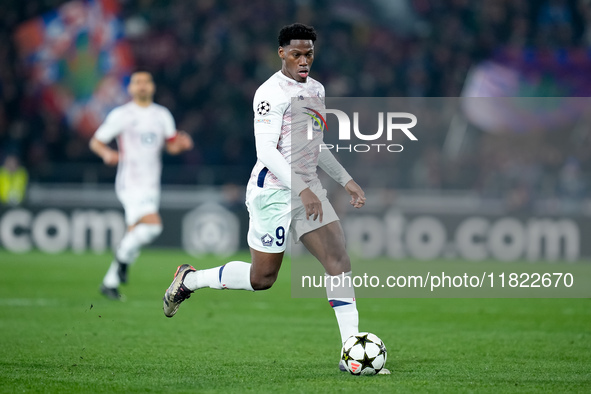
column 110, row 157
column 336, row 171
column 356, row 192
column 180, row 143
column 332, row 167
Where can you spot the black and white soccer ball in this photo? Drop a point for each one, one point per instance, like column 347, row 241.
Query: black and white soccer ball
column 263, row 108
column 364, row 354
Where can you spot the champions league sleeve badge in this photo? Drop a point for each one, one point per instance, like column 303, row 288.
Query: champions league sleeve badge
column 263, row 108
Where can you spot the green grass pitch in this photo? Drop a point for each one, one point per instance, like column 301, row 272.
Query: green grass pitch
column 58, row 334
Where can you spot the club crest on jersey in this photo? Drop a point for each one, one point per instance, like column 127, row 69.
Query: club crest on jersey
column 148, row 138
column 267, row 240
column 263, row 108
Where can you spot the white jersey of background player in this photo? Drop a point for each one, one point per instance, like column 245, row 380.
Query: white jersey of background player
column 141, row 133
column 141, row 128
column 273, row 213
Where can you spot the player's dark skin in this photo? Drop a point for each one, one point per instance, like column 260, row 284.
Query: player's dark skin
column 327, row 243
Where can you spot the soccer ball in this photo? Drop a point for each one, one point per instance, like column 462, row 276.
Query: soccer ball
column 364, row 354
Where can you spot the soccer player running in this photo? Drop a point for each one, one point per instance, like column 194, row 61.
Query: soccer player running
column 142, row 128
column 273, row 212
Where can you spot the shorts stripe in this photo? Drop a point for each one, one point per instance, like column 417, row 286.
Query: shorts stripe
column 261, row 178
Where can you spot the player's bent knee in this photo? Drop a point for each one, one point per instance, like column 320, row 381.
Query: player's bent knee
column 146, row 233
column 262, row 283
column 338, row 265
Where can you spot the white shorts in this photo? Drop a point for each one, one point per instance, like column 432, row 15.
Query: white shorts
column 138, row 204
column 274, row 214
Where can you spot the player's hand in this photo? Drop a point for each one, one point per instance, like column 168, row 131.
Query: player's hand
column 356, row 192
column 312, row 204
column 184, row 140
column 111, row 157
column 180, row 143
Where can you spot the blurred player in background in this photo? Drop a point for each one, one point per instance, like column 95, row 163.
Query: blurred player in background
column 142, row 128
column 273, row 213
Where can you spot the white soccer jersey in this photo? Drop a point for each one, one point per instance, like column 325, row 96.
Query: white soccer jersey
column 141, row 133
column 273, row 115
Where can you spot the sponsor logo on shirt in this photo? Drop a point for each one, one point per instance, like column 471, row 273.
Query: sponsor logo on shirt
column 320, row 123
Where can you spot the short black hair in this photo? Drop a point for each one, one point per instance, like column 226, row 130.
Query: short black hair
column 140, row 70
column 296, row 31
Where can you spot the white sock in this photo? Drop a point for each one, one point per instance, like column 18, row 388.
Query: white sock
column 129, row 250
column 142, row 234
column 234, row 275
column 111, row 279
column 203, row 278
column 341, row 297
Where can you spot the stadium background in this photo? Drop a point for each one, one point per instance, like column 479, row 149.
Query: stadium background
column 67, row 64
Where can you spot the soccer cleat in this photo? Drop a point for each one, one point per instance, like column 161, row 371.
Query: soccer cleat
column 177, row 292
column 122, row 271
column 384, row 371
column 111, row 292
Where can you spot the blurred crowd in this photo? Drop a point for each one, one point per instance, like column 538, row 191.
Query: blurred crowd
column 209, row 56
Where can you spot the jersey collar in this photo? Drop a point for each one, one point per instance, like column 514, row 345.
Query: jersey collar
column 288, row 79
